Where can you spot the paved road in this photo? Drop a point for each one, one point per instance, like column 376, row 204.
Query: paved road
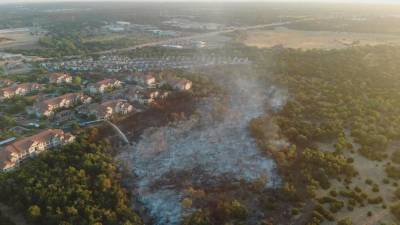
column 195, row 36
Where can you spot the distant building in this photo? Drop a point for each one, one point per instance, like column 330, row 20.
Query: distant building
column 143, row 96
column 48, row 107
column 21, row 89
column 6, row 82
column 63, row 116
column 60, row 78
column 123, row 23
column 147, row 79
column 180, row 84
column 107, row 109
column 101, row 86
column 18, row 151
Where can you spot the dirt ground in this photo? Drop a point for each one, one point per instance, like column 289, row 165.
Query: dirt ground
column 18, row 38
column 315, row 39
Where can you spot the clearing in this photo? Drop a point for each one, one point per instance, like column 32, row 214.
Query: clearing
column 314, row 39
column 18, row 38
column 374, row 171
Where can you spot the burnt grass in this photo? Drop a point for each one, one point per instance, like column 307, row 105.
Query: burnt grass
column 177, row 106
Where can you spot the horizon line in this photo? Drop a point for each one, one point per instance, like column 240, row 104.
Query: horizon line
column 373, row 2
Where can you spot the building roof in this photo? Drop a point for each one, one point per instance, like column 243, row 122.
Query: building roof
column 5, row 82
column 24, row 144
column 106, row 82
column 59, row 75
column 24, row 86
column 112, row 103
column 57, row 100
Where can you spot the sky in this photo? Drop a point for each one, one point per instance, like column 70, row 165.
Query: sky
column 327, row 1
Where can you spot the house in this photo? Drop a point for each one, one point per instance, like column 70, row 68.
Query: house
column 60, row 78
column 146, row 79
column 180, row 84
column 49, row 106
column 101, row 86
column 20, row 89
column 142, row 96
column 107, row 109
column 18, row 151
column 114, row 95
column 63, row 116
column 5, row 82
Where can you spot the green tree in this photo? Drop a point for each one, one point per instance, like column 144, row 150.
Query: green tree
column 34, row 213
column 346, row 221
column 77, row 80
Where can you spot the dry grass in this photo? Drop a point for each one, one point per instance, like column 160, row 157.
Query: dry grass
column 315, row 39
column 374, row 171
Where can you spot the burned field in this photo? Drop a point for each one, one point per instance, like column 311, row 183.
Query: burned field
column 201, row 144
column 176, row 107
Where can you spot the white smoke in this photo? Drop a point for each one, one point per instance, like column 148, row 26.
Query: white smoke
column 205, row 147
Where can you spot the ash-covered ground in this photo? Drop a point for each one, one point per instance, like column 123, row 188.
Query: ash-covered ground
column 213, row 145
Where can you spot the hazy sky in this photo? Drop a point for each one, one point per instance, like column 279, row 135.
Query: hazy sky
column 328, row 1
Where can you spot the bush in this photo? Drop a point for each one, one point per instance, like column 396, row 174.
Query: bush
column 375, row 188
column 385, row 181
column 375, row 200
column 368, row 181
column 395, row 210
column 336, row 206
column 396, row 157
column 346, row 221
column 393, row 171
column 295, row 211
column 327, row 215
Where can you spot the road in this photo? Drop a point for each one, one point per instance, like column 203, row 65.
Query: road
column 195, row 36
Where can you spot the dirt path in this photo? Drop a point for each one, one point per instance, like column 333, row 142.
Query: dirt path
column 14, row 217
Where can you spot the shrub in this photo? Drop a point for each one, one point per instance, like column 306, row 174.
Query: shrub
column 397, row 193
column 327, row 215
column 395, row 210
column 385, row 181
column 396, row 157
column 295, row 211
column 346, row 221
column 375, row 188
column 375, row 200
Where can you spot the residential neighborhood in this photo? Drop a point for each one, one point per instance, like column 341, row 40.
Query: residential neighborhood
column 55, row 102
column 103, row 85
column 119, row 64
column 20, row 89
column 60, row 78
column 48, row 107
column 107, row 109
